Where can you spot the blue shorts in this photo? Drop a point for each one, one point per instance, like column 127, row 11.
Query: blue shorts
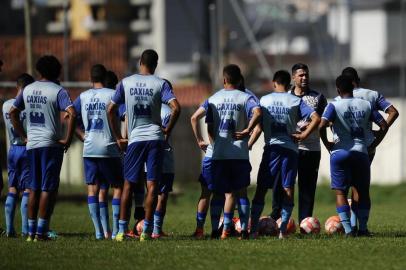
column 45, row 166
column 278, row 164
column 230, row 175
column 18, row 168
column 349, row 168
column 103, row 171
column 140, row 153
column 166, row 182
column 205, row 177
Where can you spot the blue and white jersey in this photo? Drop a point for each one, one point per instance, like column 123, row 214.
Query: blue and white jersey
column 168, row 165
column 91, row 107
column 280, row 114
column 13, row 137
column 43, row 101
column 351, row 118
column 143, row 96
column 229, row 111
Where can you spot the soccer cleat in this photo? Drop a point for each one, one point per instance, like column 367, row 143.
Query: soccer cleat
column 41, row 237
column 120, row 237
column 198, row 234
column 254, row 235
column 215, row 234
column 132, row 235
column 52, row 234
column 226, row 234
column 145, row 237
column 244, row 235
column 283, row 235
column 107, row 235
column 30, row 238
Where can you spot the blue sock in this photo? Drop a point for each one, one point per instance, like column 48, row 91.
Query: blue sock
column 344, row 214
column 104, row 216
column 200, row 219
column 122, row 226
column 115, row 205
column 24, row 213
column 93, row 203
column 9, row 208
column 354, row 214
column 158, row 222
column 244, row 212
column 216, row 207
column 256, row 211
column 363, row 216
column 228, row 221
column 148, row 226
column 286, row 213
column 42, row 226
column 32, row 227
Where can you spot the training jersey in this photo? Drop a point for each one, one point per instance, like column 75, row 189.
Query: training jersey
column 13, row 137
column 42, row 102
column 91, row 107
column 143, row 96
column 317, row 102
column 280, row 114
column 229, row 111
column 351, row 118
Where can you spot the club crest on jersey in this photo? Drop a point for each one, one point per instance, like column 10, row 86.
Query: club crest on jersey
column 95, row 124
column 37, row 118
column 142, row 110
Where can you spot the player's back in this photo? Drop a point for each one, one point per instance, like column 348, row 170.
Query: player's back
column 98, row 140
column 227, row 113
column 281, row 112
column 13, row 137
column 43, row 117
column 143, row 107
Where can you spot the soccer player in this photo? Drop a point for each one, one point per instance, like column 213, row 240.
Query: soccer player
column 231, row 116
column 309, row 149
column 379, row 103
column 281, row 112
column 101, row 155
column 18, row 170
column 143, row 95
column 349, row 162
column 42, row 101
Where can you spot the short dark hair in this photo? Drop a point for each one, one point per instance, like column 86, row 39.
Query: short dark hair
column 241, row 86
column 351, row 73
column 98, row 73
column 111, row 80
column 282, row 77
column 299, row 66
column 232, row 74
column 149, row 58
column 49, row 67
column 344, row 84
column 24, row 79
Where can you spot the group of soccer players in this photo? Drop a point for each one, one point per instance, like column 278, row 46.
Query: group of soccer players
column 126, row 136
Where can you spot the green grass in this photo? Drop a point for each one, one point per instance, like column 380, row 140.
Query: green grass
column 76, row 247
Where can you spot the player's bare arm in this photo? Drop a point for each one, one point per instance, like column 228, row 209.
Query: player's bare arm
column 71, row 119
column 380, row 134
column 393, row 114
column 254, row 135
column 314, row 123
column 111, row 114
column 324, row 124
column 80, row 134
column 194, row 121
column 175, row 107
column 15, row 120
column 256, row 117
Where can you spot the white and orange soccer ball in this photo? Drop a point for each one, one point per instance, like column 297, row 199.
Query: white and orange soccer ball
column 291, row 228
column 310, row 225
column 333, row 225
column 267, row 226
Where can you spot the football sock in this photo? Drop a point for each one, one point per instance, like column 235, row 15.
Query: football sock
column 158, row 221
column 285, row 216
column 228, row 221
column 148, row 226
column 344, row 214
column 354, row 214
column 363, row 216
column 256, row 211
column 244, row 212
column 115, row 205
column 200, row 220
column 9, row 208
column 32, row 226
column 104, row 216
column 122, row 226
column 93, row 203
column 24, row 213
column 42, row 226
column 216, row 207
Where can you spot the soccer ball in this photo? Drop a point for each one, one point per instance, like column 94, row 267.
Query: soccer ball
column 333, row 225
column 291, row 228
column 310, row 225
column 140, row 226
column 267, row 226
column 237, row 224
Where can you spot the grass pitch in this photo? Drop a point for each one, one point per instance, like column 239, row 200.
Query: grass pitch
column 76, row 247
